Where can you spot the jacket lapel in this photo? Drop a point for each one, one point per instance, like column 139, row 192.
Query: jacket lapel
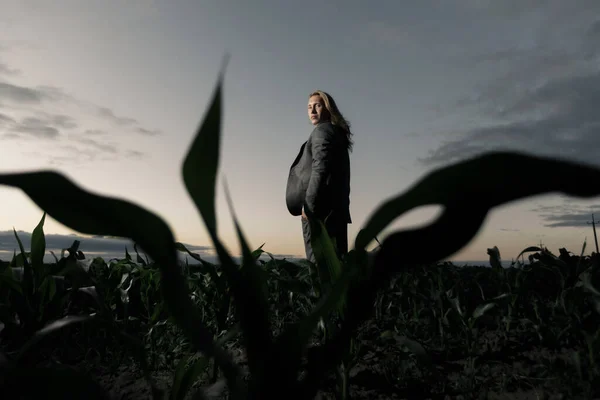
column 299, row 155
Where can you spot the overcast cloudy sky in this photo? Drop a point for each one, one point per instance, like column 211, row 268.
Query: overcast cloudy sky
column 110, row 93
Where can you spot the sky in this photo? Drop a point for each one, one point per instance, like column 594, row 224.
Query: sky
column 111, row 93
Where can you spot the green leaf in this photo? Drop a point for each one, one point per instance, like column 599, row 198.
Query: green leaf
column 455, row 301
column 482, row 309
column 76, row 274
column 528, row 250
column 290, row 344
column 201, row 164
column 250, row 294
column 578, row 268
column 28, row 282
column 181, row 247
column 72, row 250
column 184, row 376
column 586, row 279
column 208, row 267
column 501, row 297
column 92, row 293
column 230, row 334
column 199, row 175
column 51, row 288
column 328, row 264
column 38, row 248
column 551, row 260
column 556, row 271
column 415, row 348
column 258, row 252
column 495, row 260
column 124, row 278
column 54, row 255
column 49, row 329
column 387, row 334
column 139, row 258
column 7, row 279
column 467, row 198
column 13, row 261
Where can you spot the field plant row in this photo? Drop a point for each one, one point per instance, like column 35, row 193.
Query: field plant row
column 429, row 316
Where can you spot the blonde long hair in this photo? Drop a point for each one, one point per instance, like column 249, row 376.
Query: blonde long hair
column 336, row 116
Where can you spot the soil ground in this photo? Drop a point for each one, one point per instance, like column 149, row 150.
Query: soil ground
column 506, row 368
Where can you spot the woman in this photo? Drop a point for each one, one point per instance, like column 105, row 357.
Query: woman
column 319, row 178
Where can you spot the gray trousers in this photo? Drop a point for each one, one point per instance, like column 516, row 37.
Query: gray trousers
column 337, row 230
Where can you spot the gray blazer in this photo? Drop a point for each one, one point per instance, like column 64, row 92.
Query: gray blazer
column 319, row 177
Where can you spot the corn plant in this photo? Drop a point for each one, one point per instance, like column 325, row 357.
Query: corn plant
column 35, row 291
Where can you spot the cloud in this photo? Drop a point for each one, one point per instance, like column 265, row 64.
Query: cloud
column 42, row 126
column 94, row 132
column 5, row 119
column 75, row 156
column 6, row 70
column 21, row 94
column 46, row 132
column 35, row 98
column 574, row 220
column 567, row 215
column 148, row 132
column 569, row 126
column 83, row 150
column 547, row 105
column 505, row 8
column 39, row 94
column 559, row 209
column 134, row 154
column 59, row 120
column 107, row 148
column 80, row 148
column 27, row 115
column 110, row 115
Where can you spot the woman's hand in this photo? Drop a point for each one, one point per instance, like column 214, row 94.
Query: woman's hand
column 304, row 215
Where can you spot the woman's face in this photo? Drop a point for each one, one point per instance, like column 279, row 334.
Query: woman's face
column 316, row 110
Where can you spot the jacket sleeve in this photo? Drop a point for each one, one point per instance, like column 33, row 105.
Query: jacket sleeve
column 322, row 152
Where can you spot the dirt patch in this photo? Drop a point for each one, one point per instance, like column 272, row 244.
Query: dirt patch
column 505, row 370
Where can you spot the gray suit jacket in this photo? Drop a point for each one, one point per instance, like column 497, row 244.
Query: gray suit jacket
column 319, row 178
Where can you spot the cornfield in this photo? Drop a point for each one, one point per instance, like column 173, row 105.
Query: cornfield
column 394, row 323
